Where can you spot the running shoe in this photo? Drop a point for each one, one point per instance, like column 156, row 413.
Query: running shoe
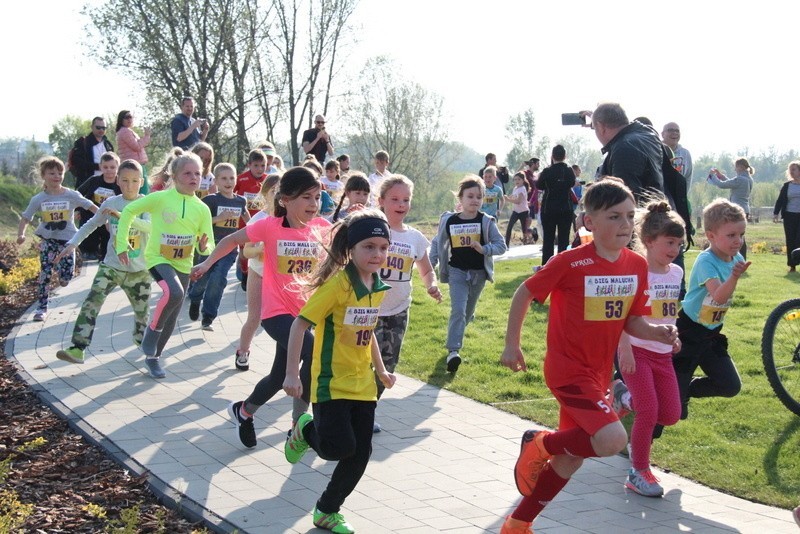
column 296, row 446
column 247, row 432
column 333, row 522
column 242, row 360
column 621, row 401
column 194, row 310
column 154, row 368
column 453, row 361
column 515, row 526
column 71, row 355
column 40, row 315
column 644, row 482
column 532, row 459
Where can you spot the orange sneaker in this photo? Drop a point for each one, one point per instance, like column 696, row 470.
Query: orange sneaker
column 532, row 459
column 515, row 526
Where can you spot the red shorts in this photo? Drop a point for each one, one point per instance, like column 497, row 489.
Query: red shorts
column 584, row 404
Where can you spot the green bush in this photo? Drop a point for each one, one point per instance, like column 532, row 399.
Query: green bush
column 14, row 193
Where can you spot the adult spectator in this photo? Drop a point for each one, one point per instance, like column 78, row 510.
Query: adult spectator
column 534, row 221
column 556, row 181
column 86, row 152
column 740, row 187
column 634, row 152
column 130, row 145
column 501, row 171
column 187, row 131
column 490, row 161
column 317, row 141
column 787, row 208
column 681, row 158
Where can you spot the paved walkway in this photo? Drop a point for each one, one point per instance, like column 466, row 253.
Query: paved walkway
column 442, row 463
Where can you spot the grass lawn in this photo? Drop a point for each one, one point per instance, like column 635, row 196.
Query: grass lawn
column 746, row 446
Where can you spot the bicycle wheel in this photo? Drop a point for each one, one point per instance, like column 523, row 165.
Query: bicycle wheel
column 780, row 352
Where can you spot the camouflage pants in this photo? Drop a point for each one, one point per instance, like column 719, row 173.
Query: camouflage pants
column 389, row 332
column 136, row 286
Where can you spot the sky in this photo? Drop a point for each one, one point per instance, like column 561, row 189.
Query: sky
column 721, row 70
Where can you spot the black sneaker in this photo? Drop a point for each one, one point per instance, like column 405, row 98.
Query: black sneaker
column 194, row 310
column 243, row 361
column 453, row 361
column 206, row 324
column 247, row 433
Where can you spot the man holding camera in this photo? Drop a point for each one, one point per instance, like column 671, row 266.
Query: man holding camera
column 317, row 141
column 186, row 131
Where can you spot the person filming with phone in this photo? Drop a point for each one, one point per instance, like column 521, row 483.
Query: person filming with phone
column 186, row 131
column 317, row 141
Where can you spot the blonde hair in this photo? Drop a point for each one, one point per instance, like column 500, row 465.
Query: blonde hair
column 44, row 164
column 205, row 146
column 393, row 180
column 746, row 164
column 795, row 163
column 721, row 211
column 164, row 173
column 269, row 193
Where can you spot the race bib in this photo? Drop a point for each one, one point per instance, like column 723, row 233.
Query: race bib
column 712, row 312
column 252, row 201
column 55, row 211
column 398, row 262
column 231, row 214
column 134, row 237
column 359, row 322
column 489, row 199
column 296, row 257
column 664, row 300
column 205, row 185
column 608, row 298
column 101, row 194
column 463, row 235
column 176, row 246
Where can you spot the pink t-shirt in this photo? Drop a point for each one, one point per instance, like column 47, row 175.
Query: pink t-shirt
column 288, row 253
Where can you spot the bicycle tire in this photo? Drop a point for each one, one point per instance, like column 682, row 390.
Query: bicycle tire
column 780, row 353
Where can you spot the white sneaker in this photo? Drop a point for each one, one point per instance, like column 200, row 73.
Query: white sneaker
column 40, row 315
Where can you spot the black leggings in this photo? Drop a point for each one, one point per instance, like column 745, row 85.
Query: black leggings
column 791, row 229
column 550, row 223
column 278, row 329
column 520, row 216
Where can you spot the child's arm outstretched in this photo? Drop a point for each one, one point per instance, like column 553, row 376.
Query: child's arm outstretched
column 386, row 378
column 627, row 363
column 637, row 326
column 723, row 291
column 23, row 224
column 292, row 384
column 227, row 244
column 512, row 356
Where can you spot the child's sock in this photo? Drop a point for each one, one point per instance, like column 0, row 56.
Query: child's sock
column 547, row 487
column 573, row 442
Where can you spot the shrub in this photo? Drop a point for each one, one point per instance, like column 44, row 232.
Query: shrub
column 26, row 269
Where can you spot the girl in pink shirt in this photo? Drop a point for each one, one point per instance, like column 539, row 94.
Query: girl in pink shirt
column 291, row 249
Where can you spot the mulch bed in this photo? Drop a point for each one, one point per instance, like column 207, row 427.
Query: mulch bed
column 66, row 473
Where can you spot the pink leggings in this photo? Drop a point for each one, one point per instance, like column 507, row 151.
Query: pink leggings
column 656, row 400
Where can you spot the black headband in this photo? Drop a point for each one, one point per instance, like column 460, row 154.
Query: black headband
column 365, row 228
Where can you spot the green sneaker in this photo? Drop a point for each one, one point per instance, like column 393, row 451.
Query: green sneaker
column 296, row 445
column 71, row 355
column 333, row 522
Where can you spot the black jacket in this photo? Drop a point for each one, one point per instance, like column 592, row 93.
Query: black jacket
column 635, row 155
column 556, row 181
column 83, row 165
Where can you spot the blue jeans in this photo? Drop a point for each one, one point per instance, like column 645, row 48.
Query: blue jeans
column 210, row 287
column 465, row 288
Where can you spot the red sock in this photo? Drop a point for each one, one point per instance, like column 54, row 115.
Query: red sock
column 573, row 442
column 547, row 487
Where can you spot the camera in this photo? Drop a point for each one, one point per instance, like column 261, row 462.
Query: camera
column 576, row 119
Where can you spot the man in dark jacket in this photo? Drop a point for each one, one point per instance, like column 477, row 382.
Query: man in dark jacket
column 87, row 150
column 634, row 151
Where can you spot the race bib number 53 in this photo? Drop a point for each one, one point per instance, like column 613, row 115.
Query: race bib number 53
column 608, row 298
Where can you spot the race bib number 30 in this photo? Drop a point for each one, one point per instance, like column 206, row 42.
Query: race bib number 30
column 231, row 219
column 296, row 257
column 608, row 298
column 463, row 235
column 358, row 325
column 664, row 300
column 55, row 211
column 176, row 246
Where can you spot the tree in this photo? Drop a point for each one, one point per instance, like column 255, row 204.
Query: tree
column 65, row 132
column 521, row 131
column 388, row 112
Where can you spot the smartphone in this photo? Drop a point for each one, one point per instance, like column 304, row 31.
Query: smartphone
column 572, row 119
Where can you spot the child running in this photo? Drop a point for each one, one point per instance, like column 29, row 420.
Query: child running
column 493, row 201
column 409, row 247
column 132, row 278
column 464, row 246
column 254, row 254
column 226, row 209
column 519, row 209
column 595, row 290
column 206, row 154
column 356, row 194
column 344, row 309
column 709, row 296
column 291, row 248
column 55, row 205
column 181, row 224
column 646, row 365
column 98, row 189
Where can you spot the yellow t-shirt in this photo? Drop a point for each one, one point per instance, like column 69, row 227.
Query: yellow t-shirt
column 344, row 313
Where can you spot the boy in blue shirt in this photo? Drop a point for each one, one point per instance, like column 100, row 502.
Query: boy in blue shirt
column 493, row 199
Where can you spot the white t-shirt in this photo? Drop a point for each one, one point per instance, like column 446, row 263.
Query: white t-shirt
column 520, row 207
column 375, row 181
column 335, row 188
column 407, row 247
column 663, row 292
